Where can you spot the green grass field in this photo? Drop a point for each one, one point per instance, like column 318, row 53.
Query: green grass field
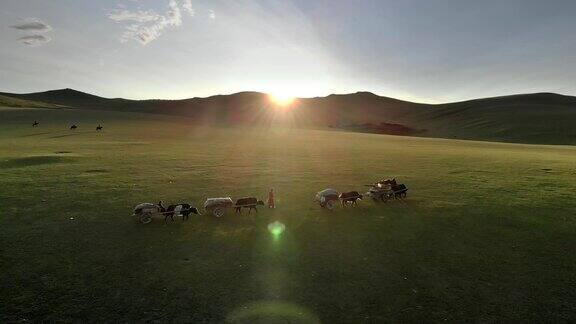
column 487, row 234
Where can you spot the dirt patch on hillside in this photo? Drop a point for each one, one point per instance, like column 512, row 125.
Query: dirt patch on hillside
column 384, row 128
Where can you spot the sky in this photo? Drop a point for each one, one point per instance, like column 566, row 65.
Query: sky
column 430, row 51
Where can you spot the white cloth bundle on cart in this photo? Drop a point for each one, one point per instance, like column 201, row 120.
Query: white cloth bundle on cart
column 218, row 202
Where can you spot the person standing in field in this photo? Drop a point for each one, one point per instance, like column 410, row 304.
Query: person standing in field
column 271, row 203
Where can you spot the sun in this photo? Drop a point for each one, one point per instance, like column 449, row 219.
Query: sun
column 281, row 99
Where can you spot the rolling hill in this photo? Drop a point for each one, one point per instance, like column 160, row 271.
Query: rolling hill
column 6, row 101
column 540, row 118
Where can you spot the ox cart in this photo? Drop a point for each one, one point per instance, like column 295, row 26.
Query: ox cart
column 145, row 212
column 218, row 206
column 327, row 198
column 385, row 190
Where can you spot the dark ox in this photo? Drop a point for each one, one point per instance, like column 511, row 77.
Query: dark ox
column 399, row 191
column 179, row 209
column 247, row 202
column 350, row 197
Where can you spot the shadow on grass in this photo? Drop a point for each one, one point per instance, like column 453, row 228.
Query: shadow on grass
column 96, row 171
column 37, row 134
column 34, row 161
column 71, row 134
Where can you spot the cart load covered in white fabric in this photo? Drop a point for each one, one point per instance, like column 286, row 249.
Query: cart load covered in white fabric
column 146, row 208
column 326, row 194
column 218, row 202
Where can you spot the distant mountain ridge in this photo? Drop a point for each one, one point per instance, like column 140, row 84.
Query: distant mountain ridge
column 540, row 118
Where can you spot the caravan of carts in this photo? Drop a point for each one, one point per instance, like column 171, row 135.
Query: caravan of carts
column 384, row 190
column 381, row 191
column 145, row 212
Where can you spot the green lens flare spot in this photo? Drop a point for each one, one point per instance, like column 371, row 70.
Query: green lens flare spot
column 276, row 228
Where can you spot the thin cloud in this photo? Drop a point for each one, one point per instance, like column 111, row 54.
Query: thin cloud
column 35, row 28
column 211, row 14
column 138, row 16
column 146, row 26
column 33, row 25
column 34, row 40
column 187, row 5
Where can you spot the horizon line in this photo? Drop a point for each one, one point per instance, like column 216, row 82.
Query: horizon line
column 296, row 97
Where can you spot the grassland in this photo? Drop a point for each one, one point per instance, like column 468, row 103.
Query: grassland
column 488, row 232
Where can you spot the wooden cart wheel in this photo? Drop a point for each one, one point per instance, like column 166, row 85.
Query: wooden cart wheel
column 330, row 204
column 218, row 212
column 146, row 218
column 384, row 197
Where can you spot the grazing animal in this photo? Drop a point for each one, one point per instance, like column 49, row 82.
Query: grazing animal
column 36, row 123
column 350, row 197
column 99, row 128
column 180, row 209
column 73, row 127
column 248, row 202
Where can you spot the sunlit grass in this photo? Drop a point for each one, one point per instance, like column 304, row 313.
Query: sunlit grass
column 486, row 227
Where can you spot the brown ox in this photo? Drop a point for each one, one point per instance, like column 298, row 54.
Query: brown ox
column 248, row 202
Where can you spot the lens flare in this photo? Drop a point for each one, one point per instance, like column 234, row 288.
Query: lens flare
column 276, row 228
